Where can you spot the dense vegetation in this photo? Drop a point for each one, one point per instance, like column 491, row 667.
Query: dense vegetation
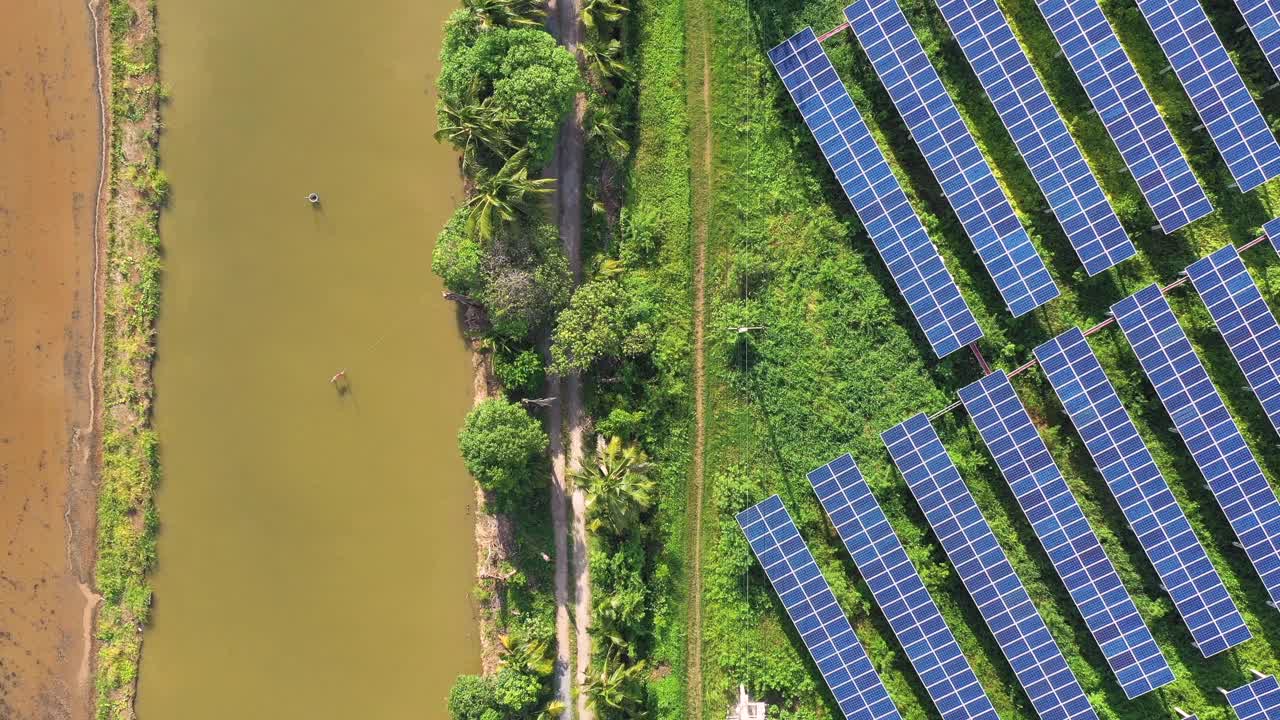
column 841, row 360
column 126, row 514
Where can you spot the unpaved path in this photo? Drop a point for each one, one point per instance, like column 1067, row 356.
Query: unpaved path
column 51, row 150
column 699, row 35
column 566, row 416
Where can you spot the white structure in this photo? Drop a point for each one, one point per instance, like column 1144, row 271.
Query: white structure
column 747, row 710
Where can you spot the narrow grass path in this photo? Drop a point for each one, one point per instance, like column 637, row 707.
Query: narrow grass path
column 698, row 42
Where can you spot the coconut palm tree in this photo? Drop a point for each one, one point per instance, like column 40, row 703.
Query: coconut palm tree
column 507, row 13
column 552, row 711
column 604, row 59
column 602, row 127
column 469, row 125
column 617, row 484
column 596, row 13
column 616, row 686
column 530, row 657
column 499, row 196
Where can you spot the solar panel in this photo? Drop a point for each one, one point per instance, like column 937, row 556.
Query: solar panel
column 1272, row 230
column 1216, row 90
column 875, row 193
column 1136, row 483
column 952, row 154
column 1066, row 535
column 813, row 609
column 1039, row 133
column 986, row 572
column 900, row 593
column 1263, row 19
column 1259, row 700
column 1245, row 322
column 1127, row 111
column 1210, row 433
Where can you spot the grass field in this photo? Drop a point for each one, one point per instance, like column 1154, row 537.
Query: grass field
column 841, row 360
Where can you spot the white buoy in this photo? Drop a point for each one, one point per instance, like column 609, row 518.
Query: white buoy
column 313, row 198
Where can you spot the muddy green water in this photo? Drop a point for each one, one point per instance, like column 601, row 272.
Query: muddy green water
column 316, row 551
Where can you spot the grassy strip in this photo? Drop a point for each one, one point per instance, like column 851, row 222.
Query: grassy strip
column 126, row 513
column 658, row 188
column 842, row 360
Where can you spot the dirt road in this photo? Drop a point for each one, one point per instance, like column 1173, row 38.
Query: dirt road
column 50, row 150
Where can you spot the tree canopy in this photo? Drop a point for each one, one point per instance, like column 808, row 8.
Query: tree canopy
column 602, row 320
column 501, row 445
column 520, row 72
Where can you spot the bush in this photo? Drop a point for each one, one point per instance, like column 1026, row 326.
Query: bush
column 501, row 445
column 522, row 374
column 458, row 258
column 472, row 697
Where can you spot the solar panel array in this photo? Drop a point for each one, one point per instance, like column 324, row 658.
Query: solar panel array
column 875, row 194
column 813, row 609
column 1259, row 700
column 1127, row 111
column 1066, row 535
column 986, row 572
column 1149, row 506
column 900, row 593
column 1272, row 230
column 1209, row 431
column 1263, row 19
column 1216, row 90
column 1039, row 132
column 952, row 154
column 1245, row 322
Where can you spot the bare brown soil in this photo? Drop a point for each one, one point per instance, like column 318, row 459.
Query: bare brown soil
column 51, row 147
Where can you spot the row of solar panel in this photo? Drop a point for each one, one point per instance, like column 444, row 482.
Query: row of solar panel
column 1197, row 591
column 1073, row 193
column 914, row 618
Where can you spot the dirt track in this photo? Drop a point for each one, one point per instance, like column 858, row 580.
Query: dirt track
column 50, row 149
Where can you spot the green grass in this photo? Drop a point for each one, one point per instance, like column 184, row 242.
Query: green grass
column 842, row 360
column 127, row 521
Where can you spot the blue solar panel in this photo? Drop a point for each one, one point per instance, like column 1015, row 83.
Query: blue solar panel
column 1206, row 427
column 1066, row 535
column 1263, row 19
column 875, row 194
column 952, row 154
column 1245, row 322
column 1144, row 496
column 1259, row 700
column 813, row 609
column 898, row 590
column 1039, row 133
column 1127, row 111
column 1272, row 230
column 985, row 570
column 1216, row 90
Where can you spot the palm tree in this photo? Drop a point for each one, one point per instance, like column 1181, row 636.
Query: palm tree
column 615, row 686
column 604, row 59
column 617, row 484
column 500, row 196
column 552, row 711
column 599, row 12
column 601, row 127
column 468, row 125
column 531, row 657
column 507, row 13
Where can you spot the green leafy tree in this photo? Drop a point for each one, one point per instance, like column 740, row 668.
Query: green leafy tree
column 458, row 257
column 502, row 195
column 617, row 485
column 526, row 279
column 522, row 72
column 602, row 321
column 501, row 445
column 472, row 698
column 521, row 374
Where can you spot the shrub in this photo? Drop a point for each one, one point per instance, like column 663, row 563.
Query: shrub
column 501, row 445
column 522, row 374
column 472, row 697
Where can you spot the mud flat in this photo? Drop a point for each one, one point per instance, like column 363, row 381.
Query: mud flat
column 50, row 150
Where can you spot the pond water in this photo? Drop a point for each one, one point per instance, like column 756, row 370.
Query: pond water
column 316, row 551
